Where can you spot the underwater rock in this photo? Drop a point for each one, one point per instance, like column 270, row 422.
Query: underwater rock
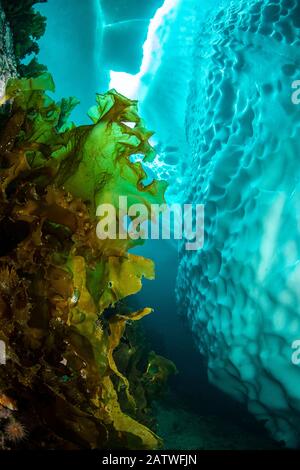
column 12, row 431
column 8, row 66
column 27, row 26
column 241, row 291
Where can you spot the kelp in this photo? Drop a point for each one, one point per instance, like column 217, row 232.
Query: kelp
column 27, row 26
column 61, row 288
column 147, row 373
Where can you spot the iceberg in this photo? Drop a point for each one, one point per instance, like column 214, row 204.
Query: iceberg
column 216, row 84
column 241, row 292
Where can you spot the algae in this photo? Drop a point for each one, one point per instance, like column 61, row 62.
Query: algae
column 58, row 281
column 27, row 26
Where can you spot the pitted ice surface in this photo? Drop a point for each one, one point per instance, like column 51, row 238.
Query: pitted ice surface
column 241, row 291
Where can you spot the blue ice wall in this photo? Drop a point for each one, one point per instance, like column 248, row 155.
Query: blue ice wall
column 126, row 25
column 241, row 292
column 219, row 95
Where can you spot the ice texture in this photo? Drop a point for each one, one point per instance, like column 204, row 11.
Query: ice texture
column 241, row 292
column 216, row 85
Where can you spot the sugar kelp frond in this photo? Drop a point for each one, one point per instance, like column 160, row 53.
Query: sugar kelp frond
column 57, row 279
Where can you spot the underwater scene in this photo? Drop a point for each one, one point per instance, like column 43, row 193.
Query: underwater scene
column 149, row 227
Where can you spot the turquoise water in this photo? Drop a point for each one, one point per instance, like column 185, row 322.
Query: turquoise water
column 215, row 84
column 71, row 48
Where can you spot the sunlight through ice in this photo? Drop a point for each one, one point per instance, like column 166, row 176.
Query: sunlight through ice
column 132, row 85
